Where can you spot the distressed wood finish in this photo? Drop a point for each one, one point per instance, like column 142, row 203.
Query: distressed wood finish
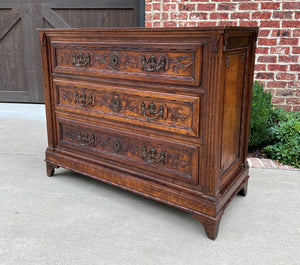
column 169, row 64
column 163, row 113
column 162, row 157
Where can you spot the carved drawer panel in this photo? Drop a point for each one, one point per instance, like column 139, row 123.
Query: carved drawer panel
column 178, row 64
column 168, row 112
column 167, row 158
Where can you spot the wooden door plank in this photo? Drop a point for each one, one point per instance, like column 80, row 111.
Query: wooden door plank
column 12, row 76
column 136, row 13
column 79, row 4
column 32, row 58
column 53, row 18
column 32, row 14
column 8, row 21
column 140, row 10
column 84, row 18
column 13, row 96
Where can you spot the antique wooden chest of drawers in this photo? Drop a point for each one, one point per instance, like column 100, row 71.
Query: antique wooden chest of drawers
column 163, row 113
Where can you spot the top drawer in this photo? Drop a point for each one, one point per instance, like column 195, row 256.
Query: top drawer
column 160, row 63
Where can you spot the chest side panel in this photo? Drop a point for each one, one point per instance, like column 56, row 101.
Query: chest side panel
column 234, row 84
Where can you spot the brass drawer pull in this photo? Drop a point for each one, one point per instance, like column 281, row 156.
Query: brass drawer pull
column 152, row 65
column 84, row 99
column 151, row 112
column 85, row 139
column 151, row 156
column 80, row 59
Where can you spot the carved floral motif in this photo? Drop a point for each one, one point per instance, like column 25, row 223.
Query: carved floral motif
column 122, row 61
column 115, row 61
column 175, row 115
column 181, row 63
column 139, row 150
column 64, row 57
column 177, row 160
column 123, row 103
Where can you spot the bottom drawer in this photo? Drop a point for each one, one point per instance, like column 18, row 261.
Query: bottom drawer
column 163, row 157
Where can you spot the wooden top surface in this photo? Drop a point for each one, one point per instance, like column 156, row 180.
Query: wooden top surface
column 154, row 30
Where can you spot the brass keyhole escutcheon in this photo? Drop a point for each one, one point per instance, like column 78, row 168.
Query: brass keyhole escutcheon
column 114, row 59
column 117, row 145
column 116, row 103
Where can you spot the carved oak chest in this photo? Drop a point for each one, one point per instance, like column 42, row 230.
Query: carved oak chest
column 160, row 112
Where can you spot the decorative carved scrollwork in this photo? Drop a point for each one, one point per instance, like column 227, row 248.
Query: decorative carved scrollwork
column 123, row 61
column 175, row 115
column 86, row 139
column 151, row 156
column 182, row 63
column 115, row 61
column 152, row 65
column 151, row 112
column 80, row 59
column 84, row 99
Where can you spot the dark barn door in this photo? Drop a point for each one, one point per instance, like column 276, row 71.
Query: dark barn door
column 20, row 62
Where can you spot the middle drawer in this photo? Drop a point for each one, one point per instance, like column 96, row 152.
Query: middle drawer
column 162, row 111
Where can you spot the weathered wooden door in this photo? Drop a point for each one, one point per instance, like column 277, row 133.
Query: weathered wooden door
column 20, row 63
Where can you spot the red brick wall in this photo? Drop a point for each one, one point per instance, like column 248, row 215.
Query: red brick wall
column 278, row 47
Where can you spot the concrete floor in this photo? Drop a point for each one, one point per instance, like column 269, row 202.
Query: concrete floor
column 71, row 219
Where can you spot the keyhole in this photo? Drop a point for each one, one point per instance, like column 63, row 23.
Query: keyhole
column 116, row 103
column 117, row 145
column 114, row 60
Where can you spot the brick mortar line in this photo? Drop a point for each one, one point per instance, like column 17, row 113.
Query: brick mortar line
column 273, row 164
column 275, row 10
column 259, row 160
column 250, row 162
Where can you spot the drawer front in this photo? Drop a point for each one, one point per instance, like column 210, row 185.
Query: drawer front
column 167, row 158
column 177, row 64
column 168, row 112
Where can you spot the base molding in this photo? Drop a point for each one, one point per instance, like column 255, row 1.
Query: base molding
column 210, row 224
column 205, row 210
column 50, row 167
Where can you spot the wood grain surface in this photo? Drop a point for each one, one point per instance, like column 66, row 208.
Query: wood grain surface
column 163, row 113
